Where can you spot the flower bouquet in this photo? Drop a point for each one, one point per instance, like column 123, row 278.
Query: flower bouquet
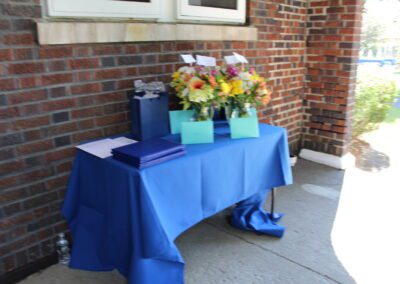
column 244, row 89
column 196, row 87
column 238, row 88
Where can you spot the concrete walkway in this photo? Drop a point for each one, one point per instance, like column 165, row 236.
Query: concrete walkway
column 340, row 229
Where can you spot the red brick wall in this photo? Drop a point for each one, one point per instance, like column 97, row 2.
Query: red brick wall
column 279, row 55
column 332, row 53
column 53, row 97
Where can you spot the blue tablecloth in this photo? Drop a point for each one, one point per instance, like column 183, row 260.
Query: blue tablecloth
column 126, row 219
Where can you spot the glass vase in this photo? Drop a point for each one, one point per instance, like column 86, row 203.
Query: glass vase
column 203, row 113
column 244, row 110
column 238, row 110
column 228, row 111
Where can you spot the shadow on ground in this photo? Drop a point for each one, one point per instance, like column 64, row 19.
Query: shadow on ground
column 367, row 158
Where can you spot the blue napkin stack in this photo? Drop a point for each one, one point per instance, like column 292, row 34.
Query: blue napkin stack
column 149, row 153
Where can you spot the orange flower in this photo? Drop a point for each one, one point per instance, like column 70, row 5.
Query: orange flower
column 196, row 84
column 187, row 77
column 212, row 81
column 262, row 84
column 265, row 100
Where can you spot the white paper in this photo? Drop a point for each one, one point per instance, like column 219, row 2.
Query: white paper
column 240, row 58
column 206, row 60
column 138, row 84
column 231, row 59
column 102, row 148
column 188, row 58
column 124, row 141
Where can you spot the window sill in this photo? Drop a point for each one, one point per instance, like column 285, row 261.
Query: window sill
column 53, row 33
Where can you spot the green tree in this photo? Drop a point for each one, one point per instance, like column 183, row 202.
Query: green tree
column 371, row 37
column 374, row 98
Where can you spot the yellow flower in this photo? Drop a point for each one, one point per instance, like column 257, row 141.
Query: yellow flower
column 176, row 75
column 225, row 88
column 236, row 87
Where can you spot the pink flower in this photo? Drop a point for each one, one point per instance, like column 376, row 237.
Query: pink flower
column 232, row 71
column 198, row 68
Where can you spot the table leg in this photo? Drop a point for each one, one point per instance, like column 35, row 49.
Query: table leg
column 272, row 201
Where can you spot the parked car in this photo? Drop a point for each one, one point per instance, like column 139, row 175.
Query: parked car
column 380, row 61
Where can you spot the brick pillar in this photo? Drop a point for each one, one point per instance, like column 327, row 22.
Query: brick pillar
column 332, row 52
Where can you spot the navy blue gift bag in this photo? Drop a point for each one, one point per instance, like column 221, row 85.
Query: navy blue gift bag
column 149, row 116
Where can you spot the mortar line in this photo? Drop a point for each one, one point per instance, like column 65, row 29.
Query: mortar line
column 270, row 251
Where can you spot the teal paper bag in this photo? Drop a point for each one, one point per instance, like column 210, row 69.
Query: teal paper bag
column 244, row 127
column 176, row 117
column 197, row 132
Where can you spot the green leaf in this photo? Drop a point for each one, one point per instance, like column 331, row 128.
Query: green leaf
column 186, row 105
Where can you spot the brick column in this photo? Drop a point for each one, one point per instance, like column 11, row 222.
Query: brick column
column 280, row 51
column 332, row 52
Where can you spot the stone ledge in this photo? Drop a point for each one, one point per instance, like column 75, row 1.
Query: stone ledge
column 341, row 163
column 53, row 33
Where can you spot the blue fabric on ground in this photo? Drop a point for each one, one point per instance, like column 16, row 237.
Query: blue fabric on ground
column 128, row 219
column 250, row 215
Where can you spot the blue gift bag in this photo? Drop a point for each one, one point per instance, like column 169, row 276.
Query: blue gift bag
column 149, row 117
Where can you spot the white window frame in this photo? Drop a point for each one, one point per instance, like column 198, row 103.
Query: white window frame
column 190, row 12
column 104, row 8
column 160, row 10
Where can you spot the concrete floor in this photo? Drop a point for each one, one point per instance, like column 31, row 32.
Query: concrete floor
column 340, row 229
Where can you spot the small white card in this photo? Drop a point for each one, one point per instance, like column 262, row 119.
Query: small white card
column 206, row 60
column 188, row 58
column 231, row 60
column 102, row 148
column 124, row 141
column 240, row 58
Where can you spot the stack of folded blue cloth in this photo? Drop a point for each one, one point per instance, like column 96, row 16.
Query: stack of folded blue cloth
column 148, row 153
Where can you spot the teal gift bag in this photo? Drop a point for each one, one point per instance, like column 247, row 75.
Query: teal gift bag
column 244, row 127
column 176, row 117
column 197, row 132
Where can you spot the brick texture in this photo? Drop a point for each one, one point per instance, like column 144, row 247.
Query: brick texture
column 53, row 97
column 332, row 52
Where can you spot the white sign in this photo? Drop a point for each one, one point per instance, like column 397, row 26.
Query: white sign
column 188, row 58
column 231, row 60
column 240, row 58
column 206, row 60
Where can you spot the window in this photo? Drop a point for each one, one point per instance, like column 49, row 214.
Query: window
column 225, row 4
column 140, row 9
column 212, row 10
column 230, row 11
